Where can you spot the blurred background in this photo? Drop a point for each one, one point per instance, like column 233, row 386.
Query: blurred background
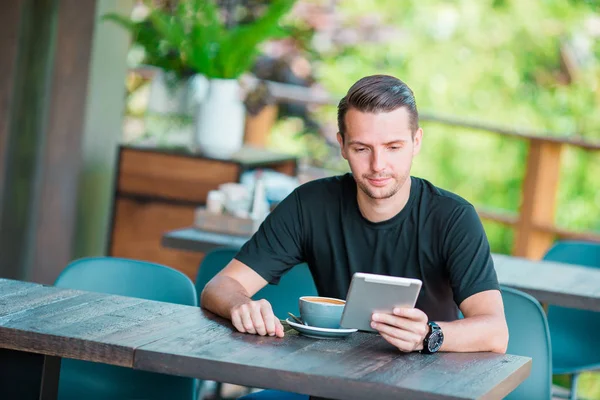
column 483, row 73
column 113, row 129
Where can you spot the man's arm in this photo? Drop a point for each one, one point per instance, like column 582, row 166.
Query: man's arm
column 475, row 286
column 482, row 329
column 229, row 294
column 270, row 253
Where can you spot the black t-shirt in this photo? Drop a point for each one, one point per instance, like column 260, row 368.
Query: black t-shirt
column 437, row 237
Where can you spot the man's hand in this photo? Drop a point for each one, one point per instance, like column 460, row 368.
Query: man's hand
column 229, row 295
column 406, row 328
column 256, row 317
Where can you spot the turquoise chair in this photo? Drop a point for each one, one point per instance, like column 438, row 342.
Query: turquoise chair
column 283, row 297
column 574, row 332
column 274, row 395
column 94, row 381
column 529, row 336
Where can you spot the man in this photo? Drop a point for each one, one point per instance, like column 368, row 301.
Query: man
column 378, row 219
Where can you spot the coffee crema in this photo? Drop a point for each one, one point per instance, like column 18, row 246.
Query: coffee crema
column 323, row 300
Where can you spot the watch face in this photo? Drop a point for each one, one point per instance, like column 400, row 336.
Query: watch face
column 435, row 341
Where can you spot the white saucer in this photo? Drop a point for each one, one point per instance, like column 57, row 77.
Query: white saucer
column 320, row 333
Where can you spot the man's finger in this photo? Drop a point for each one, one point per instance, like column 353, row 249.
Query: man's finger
column 236, row 320
column 257, row 319
column 279, row 329
column 410, row 313
column 399, row 344
column 397, row 333
column 247, row 320
column 268, row 317
column 399, row 322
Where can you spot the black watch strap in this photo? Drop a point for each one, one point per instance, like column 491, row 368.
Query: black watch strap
column 433, row 340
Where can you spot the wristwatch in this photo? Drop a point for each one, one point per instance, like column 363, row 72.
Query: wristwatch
column 433, row 340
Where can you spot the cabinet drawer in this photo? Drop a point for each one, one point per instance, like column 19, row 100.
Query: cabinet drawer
column 172, row 176
column 138, row 229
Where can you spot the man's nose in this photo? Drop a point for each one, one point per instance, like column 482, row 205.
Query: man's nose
column 377, row 161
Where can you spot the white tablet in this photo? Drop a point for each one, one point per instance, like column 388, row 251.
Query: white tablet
column 370, row 293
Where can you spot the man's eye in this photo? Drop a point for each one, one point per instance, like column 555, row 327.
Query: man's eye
column 394, row 147
column 360, row 149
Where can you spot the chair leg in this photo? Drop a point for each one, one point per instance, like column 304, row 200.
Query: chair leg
column 201, row 389
column 219, row 391
column 574, row 379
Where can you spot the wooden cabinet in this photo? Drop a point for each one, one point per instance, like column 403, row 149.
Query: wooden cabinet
column 158, row 190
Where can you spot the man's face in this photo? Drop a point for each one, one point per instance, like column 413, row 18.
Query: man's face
column 380, row 148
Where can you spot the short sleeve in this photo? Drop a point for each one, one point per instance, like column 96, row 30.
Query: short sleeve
column 467, row 254
column 277, row 245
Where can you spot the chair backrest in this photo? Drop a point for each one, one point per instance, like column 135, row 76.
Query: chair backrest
column 575, row 252
column 529, row 336
column 570, row 327
column 131, row 278
column 283, row 297
column 125, row 277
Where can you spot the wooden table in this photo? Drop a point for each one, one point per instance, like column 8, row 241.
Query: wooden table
column 200, row 241
column 551, row 283
column 40, row 324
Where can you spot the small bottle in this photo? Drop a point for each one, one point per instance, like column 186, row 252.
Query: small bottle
column 259, row 198
column 215, row 201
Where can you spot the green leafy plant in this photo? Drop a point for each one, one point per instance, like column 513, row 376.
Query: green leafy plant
column 156, row 51
column 194, row 38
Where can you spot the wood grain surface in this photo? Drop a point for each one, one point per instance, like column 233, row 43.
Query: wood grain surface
column 188, row 341
column 360, row 366
column 552, row 283
column 83, row 325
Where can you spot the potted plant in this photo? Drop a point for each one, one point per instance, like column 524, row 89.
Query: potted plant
column 195, row 38
column 170, row 107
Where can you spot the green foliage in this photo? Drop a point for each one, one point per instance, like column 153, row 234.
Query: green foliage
column 194, row 37
column 156, row 51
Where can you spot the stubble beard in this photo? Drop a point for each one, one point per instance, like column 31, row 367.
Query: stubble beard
column 390, row 192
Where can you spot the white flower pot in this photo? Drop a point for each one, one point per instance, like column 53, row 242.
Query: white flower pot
column 219, row 124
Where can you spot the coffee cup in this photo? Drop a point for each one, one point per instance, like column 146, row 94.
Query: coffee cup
column 321, row 312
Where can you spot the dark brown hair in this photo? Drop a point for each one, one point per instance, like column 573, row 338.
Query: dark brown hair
column 378, row 93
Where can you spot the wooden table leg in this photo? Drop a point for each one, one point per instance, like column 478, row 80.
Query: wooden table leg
column 28, row 375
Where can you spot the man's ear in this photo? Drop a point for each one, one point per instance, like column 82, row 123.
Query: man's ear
column 340, row 140
column 417, row 140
